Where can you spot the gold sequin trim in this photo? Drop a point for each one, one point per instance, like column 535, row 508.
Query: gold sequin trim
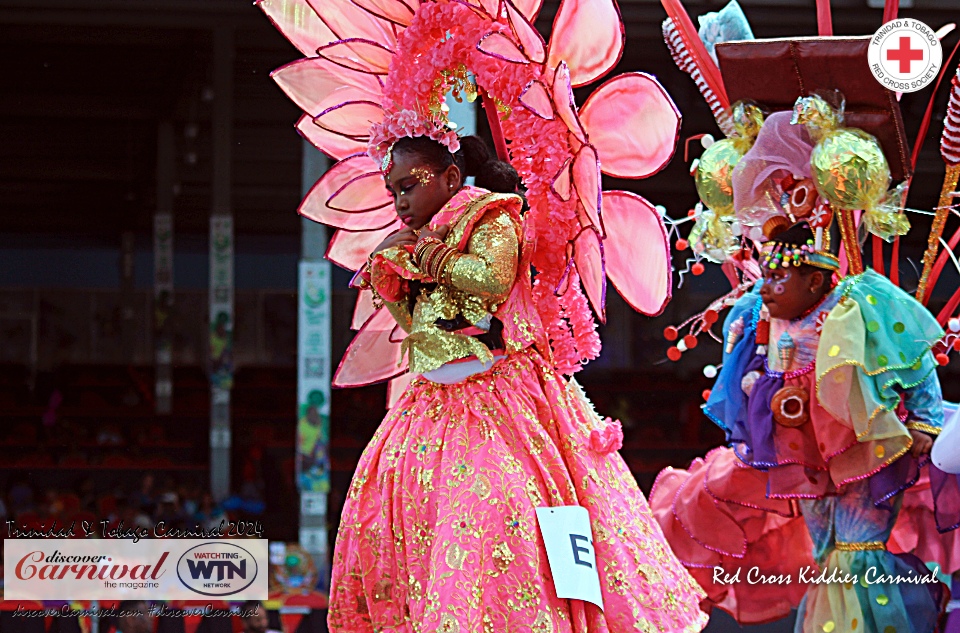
column 866, row 546
column 923, row 427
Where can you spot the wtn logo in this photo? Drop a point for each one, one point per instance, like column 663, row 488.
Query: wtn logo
column 224, row 569
column 217, row 569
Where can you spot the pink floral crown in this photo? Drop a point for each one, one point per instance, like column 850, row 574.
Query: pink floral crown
column 404, row 124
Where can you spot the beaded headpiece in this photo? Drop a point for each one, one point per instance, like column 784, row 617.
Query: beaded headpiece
column 408, row 123
column 785, row 255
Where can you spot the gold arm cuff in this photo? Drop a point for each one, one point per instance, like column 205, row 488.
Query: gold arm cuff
column 866, row 546
column 924, row 428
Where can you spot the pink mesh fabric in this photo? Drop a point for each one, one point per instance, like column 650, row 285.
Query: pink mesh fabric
column 781, row 149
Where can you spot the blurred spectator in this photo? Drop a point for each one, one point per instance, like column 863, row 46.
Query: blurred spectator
column 209, row 515
column 144, row 498
column 258, row 622
column 87, row 493
column 21, row 497
column 190, row 498
column 169, row 511
column 138, row 619
column 51, row 506
column 109, row 435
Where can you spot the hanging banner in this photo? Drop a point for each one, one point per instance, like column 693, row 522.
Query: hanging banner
column 221, row 302
column 313, row 378
column 163, row 308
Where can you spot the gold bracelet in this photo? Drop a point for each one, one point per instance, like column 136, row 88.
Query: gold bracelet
column 448, row 267
column 923, row 427
column 423, row 245
column 429, row 254
column 443, row 264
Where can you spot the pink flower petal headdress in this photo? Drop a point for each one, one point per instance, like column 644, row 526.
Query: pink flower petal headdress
column 407, row 124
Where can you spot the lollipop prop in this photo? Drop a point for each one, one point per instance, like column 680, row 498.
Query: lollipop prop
column 950, row 151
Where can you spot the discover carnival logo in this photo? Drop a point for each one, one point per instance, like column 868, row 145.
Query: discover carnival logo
column 106, row 569
column 217, row 569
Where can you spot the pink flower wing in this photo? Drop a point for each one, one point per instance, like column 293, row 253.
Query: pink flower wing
column 529, row 8
column 310, row 82
column 564, row 104
column 371, row 357
column 349, row 249
column 351, row 196
column 348, row 21
column 636, row 251
column 360, row 55
column 333, row 145
column 296, row 20
column 397, row 387
column 393, row 11
column 526, row 35
column 588, row 256
column 536, row 99
column 352, row 119
column 363, row 309
column 500, row 46
column 561, row 186
column 586, row 181
column 634, row 125
column 588, row 35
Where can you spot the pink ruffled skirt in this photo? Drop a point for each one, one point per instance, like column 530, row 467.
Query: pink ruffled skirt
column 439, row 531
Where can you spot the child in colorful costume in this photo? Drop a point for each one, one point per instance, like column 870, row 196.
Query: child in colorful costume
column 439, row 531
column 828, row 392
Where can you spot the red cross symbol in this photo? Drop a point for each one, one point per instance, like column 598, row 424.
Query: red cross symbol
column 905, row 55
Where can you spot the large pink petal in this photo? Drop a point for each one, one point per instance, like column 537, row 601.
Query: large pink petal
column 563, row 102
column 350, row 249
column 588, row 256
column 298, row 23
column 526, row 35
column 501, row 47
column 634, row 125
column 586, row 181
column 395, row 11
column 588, row 35
column 536, row 98
column 529, row 8
column 352, row 119
column 349, row 21
column 360, row 55
column 636, row 251
column 333, row 145
column 397, row 387
column 371, row 357
column 309, row 83
column 363, row 309
column 351, row 196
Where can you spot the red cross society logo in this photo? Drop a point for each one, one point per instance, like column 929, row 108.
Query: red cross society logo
column 905, row 55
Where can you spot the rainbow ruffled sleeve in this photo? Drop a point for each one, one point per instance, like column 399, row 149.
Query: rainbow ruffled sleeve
column 876, row 346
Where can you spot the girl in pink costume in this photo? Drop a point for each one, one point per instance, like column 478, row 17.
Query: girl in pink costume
column 439, row 530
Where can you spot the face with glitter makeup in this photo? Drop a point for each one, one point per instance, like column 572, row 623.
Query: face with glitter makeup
column 788, row 292
column 418, row 191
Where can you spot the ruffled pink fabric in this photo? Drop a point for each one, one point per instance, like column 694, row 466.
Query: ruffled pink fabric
column 716, row 515
column 916, row 529
column 608, row 439
column 439, row 531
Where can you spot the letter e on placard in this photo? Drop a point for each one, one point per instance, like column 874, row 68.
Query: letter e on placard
column 569, row 543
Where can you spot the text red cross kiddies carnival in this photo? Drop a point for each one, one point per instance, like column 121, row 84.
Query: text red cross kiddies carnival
column 905, row 55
